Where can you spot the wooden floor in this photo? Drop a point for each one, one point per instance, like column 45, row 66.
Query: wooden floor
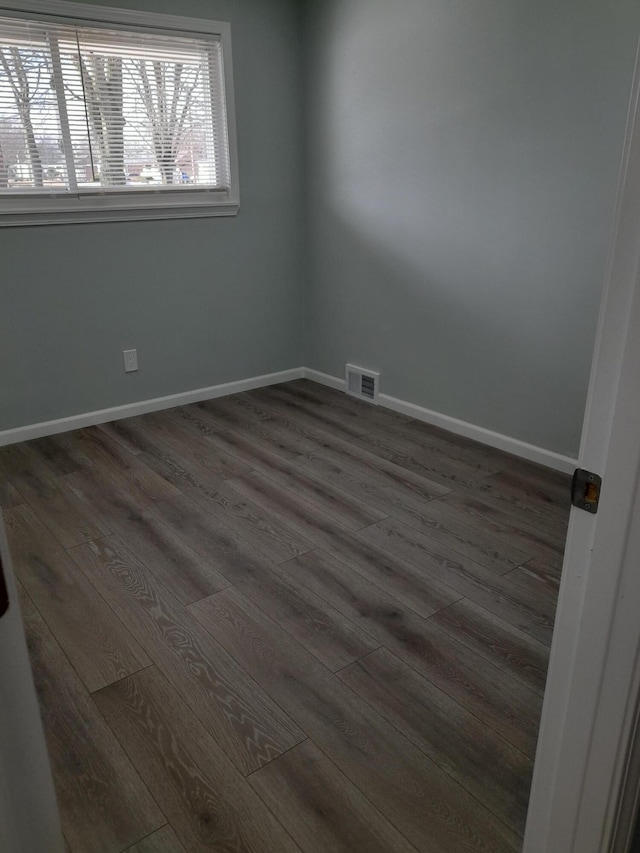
column 286, row 621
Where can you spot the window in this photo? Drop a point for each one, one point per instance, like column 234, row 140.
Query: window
column 108, row 114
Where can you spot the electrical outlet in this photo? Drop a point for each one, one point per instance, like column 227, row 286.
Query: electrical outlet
column 130, row 357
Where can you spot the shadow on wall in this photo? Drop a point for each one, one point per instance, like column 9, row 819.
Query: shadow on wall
column 463, row 163
column 441, row 336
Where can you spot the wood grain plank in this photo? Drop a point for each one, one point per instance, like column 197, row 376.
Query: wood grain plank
column 93, row 638
column 355, row 478
column 532, row 614
column 9, row 495
column 506, row 528
column 208, row 803
column 311, row 414
column 187, row 575
column 350, row 511
column 111, row 429
column 340, row 405
column 498, row 641
column 486, row 765
column 238, row 415
column 429, row 463
column 421, row 801
column 425, row 597
column 321, row 808
column 278, row 540
column 542, row 508
column 58, row 509
column 58, row 453
column 539, row 577
column 118, row 463
column 440, row 443
column 320, row 439
column 322, row 630
column 535, row 482
column 163, row 451
column 322, row 395
column 104, row 805
column 454, row 530
column 313, row 523
column 163, row 436
column 163, row 840
column 507, row 705
column 265, row 530
column 242, row 718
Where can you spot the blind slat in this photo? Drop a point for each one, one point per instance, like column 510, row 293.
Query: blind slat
column 83, row 108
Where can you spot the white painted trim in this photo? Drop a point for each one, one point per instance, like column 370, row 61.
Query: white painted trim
column 129, row 410
column 325, row 379
column 29, row 818
column 486, row 436
column 593, row 681
column 113, row 15
column 126, row 213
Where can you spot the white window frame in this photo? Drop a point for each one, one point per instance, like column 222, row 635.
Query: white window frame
column 128, row 205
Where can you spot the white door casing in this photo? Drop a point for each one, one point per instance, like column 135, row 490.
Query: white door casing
column 592, row 684
column 29, row 818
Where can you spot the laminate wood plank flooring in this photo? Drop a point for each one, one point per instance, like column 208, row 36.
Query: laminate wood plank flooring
column 89, row 631
column 286, row 620
column 321, row 808
column 9, row 495
column 109, row 456
column 320, row 628
column 496, row 593
column 495, row 772
column 59, row 453
column 183, row 572
column 104, row 805
column 208, row 802
column 58, row 509
column 486, row 690
column 535, row 574
column 249, row 726
column 349, row 511
column 163, row 840
column 423, row 802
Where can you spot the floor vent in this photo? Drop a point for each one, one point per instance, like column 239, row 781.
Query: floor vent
column 362, row 383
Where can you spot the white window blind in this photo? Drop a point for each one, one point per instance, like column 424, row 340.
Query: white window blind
column 87, row 109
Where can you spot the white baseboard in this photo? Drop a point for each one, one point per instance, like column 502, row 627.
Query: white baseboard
column 486, row 436
column 12, row 436
column 325, row 379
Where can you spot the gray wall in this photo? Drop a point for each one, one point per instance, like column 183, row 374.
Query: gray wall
column 463, row 159
column 205, row 300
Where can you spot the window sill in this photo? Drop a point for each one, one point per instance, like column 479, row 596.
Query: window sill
column 132, row 211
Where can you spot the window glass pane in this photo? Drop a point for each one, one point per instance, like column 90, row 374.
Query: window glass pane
column 113, row 117
column 31, row 148
column 140, row 109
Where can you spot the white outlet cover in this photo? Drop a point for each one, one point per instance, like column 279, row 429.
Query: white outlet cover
column 130, row 357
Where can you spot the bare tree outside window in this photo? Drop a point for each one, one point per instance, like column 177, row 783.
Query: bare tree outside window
column 27, row 73
column 102, row 88
column 4, row 170
column 166, row 91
